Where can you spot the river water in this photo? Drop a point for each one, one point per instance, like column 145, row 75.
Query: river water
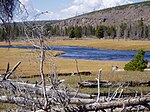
column 74, row 52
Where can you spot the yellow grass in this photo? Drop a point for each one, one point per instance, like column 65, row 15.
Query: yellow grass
column 30, row 61
column 105, row 44
column 30, row 65
column 97, row 43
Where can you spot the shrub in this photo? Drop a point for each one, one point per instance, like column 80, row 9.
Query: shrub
column 137, row 63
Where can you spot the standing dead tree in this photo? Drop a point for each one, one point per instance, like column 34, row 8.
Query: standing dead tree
column 54, row 97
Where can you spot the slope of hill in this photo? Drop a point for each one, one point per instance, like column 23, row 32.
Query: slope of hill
column 112, row 16
column 34, row 22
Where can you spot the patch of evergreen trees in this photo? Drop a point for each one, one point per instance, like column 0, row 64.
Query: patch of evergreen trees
column 137, row 30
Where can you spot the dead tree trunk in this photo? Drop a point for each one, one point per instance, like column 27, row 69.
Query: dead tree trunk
column 109, row 105
column 37, row 89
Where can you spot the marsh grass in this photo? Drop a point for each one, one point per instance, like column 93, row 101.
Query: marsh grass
column 30, row 63
column 96, row 43
column 105, row 44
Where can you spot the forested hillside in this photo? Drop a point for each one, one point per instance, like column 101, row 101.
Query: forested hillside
column 130, row 13
column 130, row 21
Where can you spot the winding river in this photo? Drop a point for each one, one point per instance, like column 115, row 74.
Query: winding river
column 75, row 52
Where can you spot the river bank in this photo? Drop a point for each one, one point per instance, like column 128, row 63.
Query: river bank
column 95, row 43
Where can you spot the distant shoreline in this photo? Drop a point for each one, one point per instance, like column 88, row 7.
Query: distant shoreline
column 94, row 43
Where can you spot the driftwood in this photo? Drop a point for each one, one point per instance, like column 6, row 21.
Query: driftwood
column 93, row 84
column 36, row 89
column 31, row 95
column 31, row 100
column 85, row 105
column 109, row 105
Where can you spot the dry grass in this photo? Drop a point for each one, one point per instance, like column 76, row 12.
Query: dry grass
column 30, row 62
column 96, row 43
column 105, row 44
column 30, row 66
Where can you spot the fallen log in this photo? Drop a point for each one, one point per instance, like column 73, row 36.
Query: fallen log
column 30, row 101
column 108, row 105
column 37, row 89
column 17, row 100
column 93, row 84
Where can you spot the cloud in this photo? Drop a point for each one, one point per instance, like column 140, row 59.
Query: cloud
column 84, row 6
column 77, row 7
column 36, row 14
column 29, row 10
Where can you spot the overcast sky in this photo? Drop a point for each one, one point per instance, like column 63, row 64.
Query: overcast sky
column 61, row 9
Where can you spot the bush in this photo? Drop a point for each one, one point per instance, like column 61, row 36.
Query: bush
column 137, row 63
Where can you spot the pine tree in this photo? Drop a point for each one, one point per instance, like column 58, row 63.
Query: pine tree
column 137, row 63
column 99, row 32
column 78, row 31
column 71, row 33
column 123, row 27
column 140, row 28
column 112, row 32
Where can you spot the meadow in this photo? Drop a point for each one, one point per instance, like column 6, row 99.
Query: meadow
column 30, row 62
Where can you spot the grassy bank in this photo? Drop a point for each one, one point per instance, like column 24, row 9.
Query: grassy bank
column 96, row 43
column 30, row 62
column 105, row 44
column 30, row 65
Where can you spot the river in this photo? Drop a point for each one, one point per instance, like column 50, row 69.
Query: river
column 85, row 53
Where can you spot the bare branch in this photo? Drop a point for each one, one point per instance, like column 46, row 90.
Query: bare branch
column 98, row 80
column 9, row 73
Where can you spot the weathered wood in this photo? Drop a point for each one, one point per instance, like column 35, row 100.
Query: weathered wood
column 37, row 89
column 93, row 84
column 8, row 73
column 108, row 105
column 30, row 101
column 18, row 100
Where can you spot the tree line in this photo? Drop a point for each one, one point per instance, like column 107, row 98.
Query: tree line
column 137, row 30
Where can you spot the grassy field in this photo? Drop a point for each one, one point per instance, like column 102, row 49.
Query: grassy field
column 105, row 44
column 97, row 43
column 30, row 61
column 30, row 64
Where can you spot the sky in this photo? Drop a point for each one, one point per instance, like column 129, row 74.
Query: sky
column 62, row 9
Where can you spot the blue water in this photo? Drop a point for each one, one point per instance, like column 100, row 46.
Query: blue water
column 89, row 53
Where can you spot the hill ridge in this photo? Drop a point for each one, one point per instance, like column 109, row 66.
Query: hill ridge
column 129, row 13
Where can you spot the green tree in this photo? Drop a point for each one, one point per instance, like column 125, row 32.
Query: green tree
column 71, row 33
column 66, row 31
column 140, row 28
column 148, row 33
column 99, row 32
column 111, row 31
column 84, row 30
column 137, row 63
column 123, row 27
column 78, row 31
